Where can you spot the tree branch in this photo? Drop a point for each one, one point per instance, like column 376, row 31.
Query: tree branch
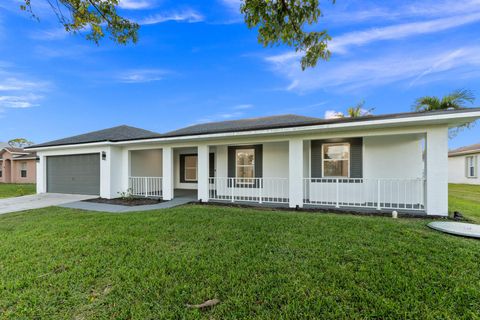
column 286, row 8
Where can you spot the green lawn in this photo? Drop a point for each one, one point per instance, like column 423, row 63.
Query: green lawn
column 60, row 263
column 465, row 199
column 8, row 190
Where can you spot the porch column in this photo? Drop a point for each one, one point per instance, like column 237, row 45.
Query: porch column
column 126, row 169
column 295, row 172
column 41, row 174
column 168, row 176
column 203, row 172
column 436, row 169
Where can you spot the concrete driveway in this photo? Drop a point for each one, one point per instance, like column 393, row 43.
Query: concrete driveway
column 37, row 201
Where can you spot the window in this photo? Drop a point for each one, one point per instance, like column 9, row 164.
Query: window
column 471, row 167
column 336, row 160
column 190, row 169
column 1, row 173
column 245, row 165
column 23, row 170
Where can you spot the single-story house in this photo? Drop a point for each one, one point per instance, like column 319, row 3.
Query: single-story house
column 384, row 162
column 17, row 165
column 463, row 165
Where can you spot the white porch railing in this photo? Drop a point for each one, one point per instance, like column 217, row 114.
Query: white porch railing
column 145, row 186
column 368, row 193
column 261, row 190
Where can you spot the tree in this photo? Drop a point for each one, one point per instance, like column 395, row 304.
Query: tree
column 19, row 143
column 278, row 22
column 359, row 110
column 455, row 100
column 97, row 16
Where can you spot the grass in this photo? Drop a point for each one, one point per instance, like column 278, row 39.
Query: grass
column 465, row 199
column 58, row 263
column 8, row 190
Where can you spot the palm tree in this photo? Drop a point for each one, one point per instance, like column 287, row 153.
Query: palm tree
column 455, row 100
column 359, row 110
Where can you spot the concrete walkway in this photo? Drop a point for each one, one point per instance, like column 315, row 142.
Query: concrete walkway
column 115, row 208
column 37, row 201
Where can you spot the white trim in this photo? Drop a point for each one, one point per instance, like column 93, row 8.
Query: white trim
column 31, row 158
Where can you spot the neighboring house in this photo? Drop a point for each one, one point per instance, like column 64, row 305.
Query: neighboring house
column 463, row 164
column 386, row 162
column 17, row 165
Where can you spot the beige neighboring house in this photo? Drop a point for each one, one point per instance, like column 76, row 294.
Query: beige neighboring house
column 17, row 165
column 463, row 164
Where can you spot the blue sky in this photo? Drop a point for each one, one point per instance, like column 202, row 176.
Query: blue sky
column 196, row 61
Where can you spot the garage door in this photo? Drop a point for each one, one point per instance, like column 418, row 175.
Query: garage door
column 76, row 174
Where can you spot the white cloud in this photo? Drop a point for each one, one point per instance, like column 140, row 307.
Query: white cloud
column 142, row 75
column 52, row 34
column 20, row 102
column 19, row 90
column 232, row 113
column 243, row 106
column 340, row 43
column 135, row 4
column 190, row 16
column 347, row 13
column 420, row 66
column 232, row 4
column 13, row 83
column 332, row 114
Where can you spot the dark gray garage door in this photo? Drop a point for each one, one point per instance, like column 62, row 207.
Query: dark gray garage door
column 77, row 174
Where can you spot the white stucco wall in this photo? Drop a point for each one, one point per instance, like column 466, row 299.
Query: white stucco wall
column 116, row 171
column 398, row 157
column 111, row 164
column 457, row 170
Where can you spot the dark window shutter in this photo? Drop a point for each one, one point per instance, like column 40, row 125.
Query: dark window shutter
column 356, row 156
column 316, row 155
column 182, row 168
column 231, row 162
column 211, row 165
column 258, row 160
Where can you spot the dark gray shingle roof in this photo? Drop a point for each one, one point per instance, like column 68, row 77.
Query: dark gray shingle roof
column 119, row 133
column 289, row 120
column 286, row 120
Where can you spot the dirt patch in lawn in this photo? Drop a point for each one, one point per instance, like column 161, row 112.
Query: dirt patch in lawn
column 126, row 202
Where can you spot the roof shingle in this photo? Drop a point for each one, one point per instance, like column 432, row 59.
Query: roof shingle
column 114, row 134
column 285, row 120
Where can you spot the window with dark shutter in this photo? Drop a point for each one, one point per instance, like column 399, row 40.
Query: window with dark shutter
column 188, row 168
column 245, row 165
column 340, row 160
